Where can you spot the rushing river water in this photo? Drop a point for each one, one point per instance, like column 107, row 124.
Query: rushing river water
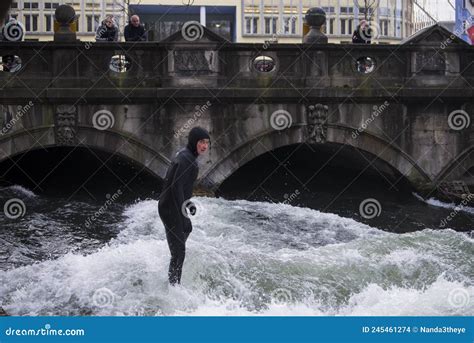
column 243, row 258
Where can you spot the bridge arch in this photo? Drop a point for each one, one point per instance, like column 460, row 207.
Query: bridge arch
column 271, row 139
column 110, row 141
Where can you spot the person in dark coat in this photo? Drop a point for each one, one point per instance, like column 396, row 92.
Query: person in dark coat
column 107, row 31
column 134, row 31
column 174, row 199
column 362, row 33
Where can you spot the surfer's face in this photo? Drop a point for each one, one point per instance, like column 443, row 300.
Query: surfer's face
column 202, row 146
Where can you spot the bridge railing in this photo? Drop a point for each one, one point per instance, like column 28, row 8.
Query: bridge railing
column 150, row 70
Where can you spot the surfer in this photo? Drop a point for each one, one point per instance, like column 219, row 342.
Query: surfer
column 174, row 199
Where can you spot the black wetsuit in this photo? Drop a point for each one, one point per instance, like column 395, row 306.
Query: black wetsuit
column 177, row 188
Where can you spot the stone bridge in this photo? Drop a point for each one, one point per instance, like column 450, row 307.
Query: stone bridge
column 409, row 106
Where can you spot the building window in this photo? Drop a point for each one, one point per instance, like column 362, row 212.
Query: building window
column 328, row 9
column 251, row 25
column 51, row 5
column 349, row 23
column 48, row 22
column 331, row 26
column 363, row 10
column 384, row 27
column 289, row 25
column 92, row 23
column 343, row 26
column 31, row 23
column 30, row 5
column 347, row 10
column 398, row 28
column 14, row 4
column 271, row 25
column 385, row 11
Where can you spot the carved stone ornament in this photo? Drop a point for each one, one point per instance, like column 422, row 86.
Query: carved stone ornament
column 66, row 124
column 317, row 123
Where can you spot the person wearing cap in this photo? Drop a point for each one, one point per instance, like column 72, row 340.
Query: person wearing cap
column 174, row 201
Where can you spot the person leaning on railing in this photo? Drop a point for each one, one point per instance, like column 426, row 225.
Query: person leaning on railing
column 107, row 31
column 134, row 31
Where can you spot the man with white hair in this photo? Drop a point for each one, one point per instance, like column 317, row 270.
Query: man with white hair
column 135, row 31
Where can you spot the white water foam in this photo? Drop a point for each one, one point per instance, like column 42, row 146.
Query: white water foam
column 252, row 258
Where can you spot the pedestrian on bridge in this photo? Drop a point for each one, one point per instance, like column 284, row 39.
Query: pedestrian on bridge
column 107, row 31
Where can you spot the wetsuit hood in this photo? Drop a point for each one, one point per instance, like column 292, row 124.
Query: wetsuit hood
column 195, row 135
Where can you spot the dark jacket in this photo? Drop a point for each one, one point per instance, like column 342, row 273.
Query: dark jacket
column 179, row 182
column 362, row 36
column 135, row 33
column 106, row 34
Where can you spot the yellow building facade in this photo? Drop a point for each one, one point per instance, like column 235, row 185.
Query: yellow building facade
column 247, row 21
